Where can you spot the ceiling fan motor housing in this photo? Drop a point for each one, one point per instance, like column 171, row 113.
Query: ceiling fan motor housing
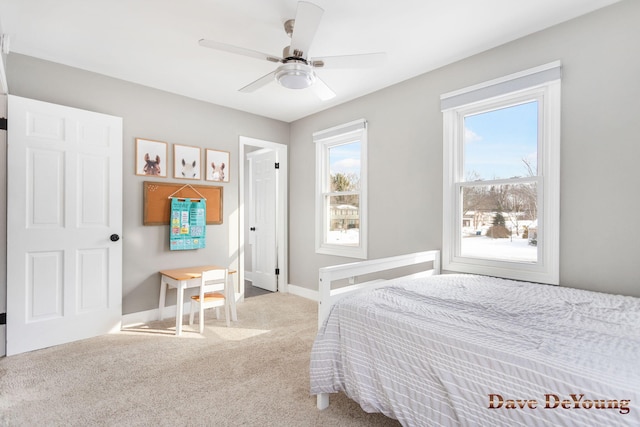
column 297, row 55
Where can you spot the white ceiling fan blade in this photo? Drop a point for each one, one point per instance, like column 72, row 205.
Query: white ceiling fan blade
column 365, row 60
column 238, row 50
column 321, row 89
column 306, row 24
column 262, row 81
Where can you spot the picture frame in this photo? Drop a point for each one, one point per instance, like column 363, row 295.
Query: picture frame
column 217, row 166
column 151, row 158
column 186, row 162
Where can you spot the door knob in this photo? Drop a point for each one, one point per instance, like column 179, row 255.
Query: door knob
column 114, row 237
column 252, row 229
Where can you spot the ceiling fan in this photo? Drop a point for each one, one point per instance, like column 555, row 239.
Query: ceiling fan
column 297, row 69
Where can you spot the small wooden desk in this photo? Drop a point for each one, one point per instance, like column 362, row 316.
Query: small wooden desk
column 189, row 277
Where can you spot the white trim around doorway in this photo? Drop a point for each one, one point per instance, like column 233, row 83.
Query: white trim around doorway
column 282, row 206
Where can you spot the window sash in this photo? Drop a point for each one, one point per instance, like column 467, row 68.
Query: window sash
column 458, row 223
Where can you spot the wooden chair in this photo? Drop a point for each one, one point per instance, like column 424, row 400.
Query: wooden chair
column 215, row 292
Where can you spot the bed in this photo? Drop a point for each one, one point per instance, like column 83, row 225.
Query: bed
column 457, row 349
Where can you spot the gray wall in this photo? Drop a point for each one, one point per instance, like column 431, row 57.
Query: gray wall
column 600, row 234
column 157, row 115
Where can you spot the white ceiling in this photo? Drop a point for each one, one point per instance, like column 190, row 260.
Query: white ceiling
column 155, row 42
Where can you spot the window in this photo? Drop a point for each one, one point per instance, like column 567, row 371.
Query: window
column 501, row 177
column 341, row 190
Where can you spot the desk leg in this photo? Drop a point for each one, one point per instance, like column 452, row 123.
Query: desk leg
column 163, row 295
column 234, row 313
column 232, row 288
column 179, row 306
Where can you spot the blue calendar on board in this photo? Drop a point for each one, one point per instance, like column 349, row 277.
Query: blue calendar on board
column 188, row 224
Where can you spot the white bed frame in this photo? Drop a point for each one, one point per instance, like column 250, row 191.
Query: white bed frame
column 328, row 297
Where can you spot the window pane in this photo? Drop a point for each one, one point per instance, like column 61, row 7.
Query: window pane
column 344, row 165
column 344, row 220
column 500, row 222
column 502, row 143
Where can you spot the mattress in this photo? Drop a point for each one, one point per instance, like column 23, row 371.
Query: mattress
column 473, row 350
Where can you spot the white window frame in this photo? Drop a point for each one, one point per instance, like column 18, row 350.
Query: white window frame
column 541, row 84
column 325, row 140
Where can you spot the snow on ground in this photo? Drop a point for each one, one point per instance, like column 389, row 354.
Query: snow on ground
column 347, row 237
column 513, row 249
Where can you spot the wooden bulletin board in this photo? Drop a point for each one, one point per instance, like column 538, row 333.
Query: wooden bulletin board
column 157, row 205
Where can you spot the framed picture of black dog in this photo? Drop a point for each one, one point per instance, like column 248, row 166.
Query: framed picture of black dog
column 151, row 158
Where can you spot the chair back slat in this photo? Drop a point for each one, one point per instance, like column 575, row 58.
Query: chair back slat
column 214, row 281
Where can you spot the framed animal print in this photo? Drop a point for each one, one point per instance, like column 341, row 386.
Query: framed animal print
column 151, row 158
column 217, row 166
column 186, row 162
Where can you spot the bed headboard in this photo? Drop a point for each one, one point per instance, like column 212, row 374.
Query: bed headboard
column 327, row 296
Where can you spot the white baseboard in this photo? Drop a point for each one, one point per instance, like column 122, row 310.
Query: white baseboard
column 141, row 317
column 303, row 292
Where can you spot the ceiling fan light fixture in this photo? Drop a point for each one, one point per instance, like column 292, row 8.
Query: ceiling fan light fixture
column 295, row 75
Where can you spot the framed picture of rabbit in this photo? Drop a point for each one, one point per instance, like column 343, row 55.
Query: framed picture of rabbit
column 217, row 166
column 151, row 158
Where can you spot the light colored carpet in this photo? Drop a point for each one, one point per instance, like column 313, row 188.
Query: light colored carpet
column 255, row 373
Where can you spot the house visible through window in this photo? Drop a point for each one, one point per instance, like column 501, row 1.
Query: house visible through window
column 341, row 190
column 501, row 187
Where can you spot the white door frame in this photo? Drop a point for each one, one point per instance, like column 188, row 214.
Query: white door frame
column 281, row 209
column 3, row 223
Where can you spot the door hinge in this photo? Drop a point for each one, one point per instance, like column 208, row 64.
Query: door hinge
column 277, row 165
column 277, row 271
column 3, row 318
column 3, row 123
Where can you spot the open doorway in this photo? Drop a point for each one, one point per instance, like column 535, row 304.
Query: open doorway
column 263, row 216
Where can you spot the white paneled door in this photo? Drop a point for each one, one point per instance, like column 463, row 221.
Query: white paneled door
column 64, row 220
column 262, row 222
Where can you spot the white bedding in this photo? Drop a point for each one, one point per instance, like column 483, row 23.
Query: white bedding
column 443, row 349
